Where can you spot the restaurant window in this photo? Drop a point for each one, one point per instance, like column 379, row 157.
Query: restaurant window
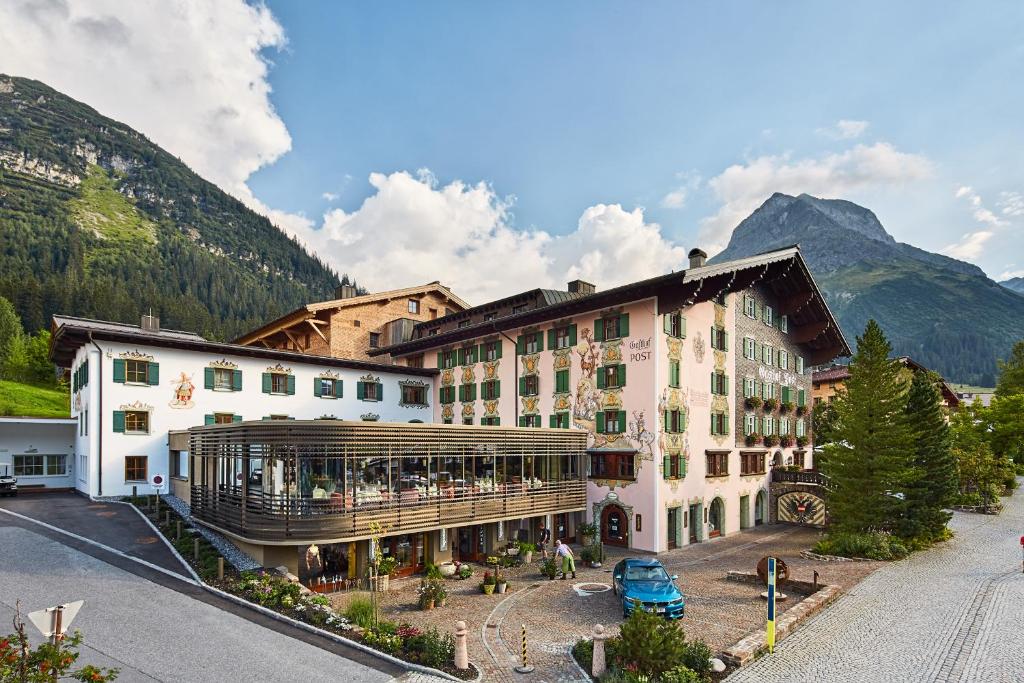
column 414, row 306
column 752, row 463
column 374, row 340
column 136, row 467
column 717, row 464
column 675, row 325
column 529, row 385
column 415, row 395
column 612, row 466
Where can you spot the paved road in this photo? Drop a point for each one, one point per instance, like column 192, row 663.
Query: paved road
column 952, row 614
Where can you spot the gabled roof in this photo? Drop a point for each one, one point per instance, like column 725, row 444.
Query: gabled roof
column 832, row 374
column 310, row 310
column 69, row 333
column 784, row 269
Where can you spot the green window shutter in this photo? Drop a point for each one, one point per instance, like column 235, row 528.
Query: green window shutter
column 725, row 340
column 725, row 423
column 119, row 421
column 552, row 421
column 498, row 354
column 801, row 398
column 522, row 421
column 152, row 373
column 316, row 386
column 460, row 356
column 600, row 423
column 478, row 352
column 119, row 370
column 472, row 392
column 339, row 388
column 551, row 339
column 667, row 323
column 601, row 380
column 266, row 383
column 667, row 465
column 380, row 391
column 725, row 379
column 624, row 325
column 236, row 380
column 620, row 371
column 236, row 418
column 291, row 385
column 208, row 419
column 208, row 378
column 714, row 387
column 521, row 344
column 462, row 392
column 666, row 420
column 713, row 425
column 572, row 335
column 599, row 329
column 439, row 358
column 361, row 390
column 497, row 388
column 682, row 420
column 539, row 340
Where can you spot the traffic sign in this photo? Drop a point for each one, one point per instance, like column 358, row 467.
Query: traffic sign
column 158, row 481
column 53, row 622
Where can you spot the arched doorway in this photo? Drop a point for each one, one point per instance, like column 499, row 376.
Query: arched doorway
column 716, row 518
column 614, row 526
column 759, row 508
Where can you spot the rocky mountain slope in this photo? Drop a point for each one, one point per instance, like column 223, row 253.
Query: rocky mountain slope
column 1015, row 284
column 96, row 220
column 945, row 313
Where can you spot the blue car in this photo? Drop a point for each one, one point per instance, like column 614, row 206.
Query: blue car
column 645, row 583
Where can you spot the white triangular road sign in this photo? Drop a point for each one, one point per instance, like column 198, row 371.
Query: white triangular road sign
column 46, row 619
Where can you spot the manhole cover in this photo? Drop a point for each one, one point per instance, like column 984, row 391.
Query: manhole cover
column 145, row 540
column 105, row 514
column 590, row 588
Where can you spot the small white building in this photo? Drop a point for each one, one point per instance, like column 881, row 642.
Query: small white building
column 38, row 451
column 131, row 386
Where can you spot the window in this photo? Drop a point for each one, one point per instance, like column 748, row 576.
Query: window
column 278, row 383
column 433, row 313
column 179, row 464
column 135, row 422
column 56, row 465
column 749, row 348
column 374, row 340
column 136, row 371
column 531, row 343
column 611, row 376
column 222, row 379
column 488, row 317
column 224, row 418
column 719, row 384
column 611, row 422
column 719, row 424
column 277, row 417
column 749, row 387
column 529, row 385
column 414, row 361
column 562, row 337
column 768, row 425
column 799, row 365
column 749, row 307
column 768, row 315
column 529, row 421
column 752, row 463
column 784, row 359
column 467, row 392
column 448, row 421
column 784, row 323
column 611, row 327
column 417, row 395
column 784, row 425
column 414, row 306
column 801, row 427
column 490, row 390
column 369, row 391
column 29, row 465
column 559, row 421
column 749, row 424
column 768, row 390
column 432, row 333
column 675, row 421
column 673, row 373
column 674, row 466
column 467, row 420
column 492, row 350
column 446, row 359
column 612, row 466
column 447, row 395
column 767, row 355
column 466, row 356
column 717, row 464
column 325, row 387
column 798, row 459
column 561, row 381
column 675, row 325
column 464, row 323
column 136, row 467
column 490, row 421
column 719, row 339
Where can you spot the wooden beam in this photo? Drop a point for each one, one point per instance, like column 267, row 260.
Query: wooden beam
column 317, row 330
column 317, row 321
column 298, row 346
column 808, row 332
column 794, row 302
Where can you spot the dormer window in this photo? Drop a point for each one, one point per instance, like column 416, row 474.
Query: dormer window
column 518, row 308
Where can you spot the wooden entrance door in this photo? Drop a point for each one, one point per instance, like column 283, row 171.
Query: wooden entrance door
column 673, row 528
column 471, row 545
column 694, row 522
column 744, row 512
column 614, row 526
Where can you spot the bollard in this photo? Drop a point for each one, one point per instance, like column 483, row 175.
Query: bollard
column 167, row 517
column 525, row 667
column 597, row 663
column 177, row 530
column 195, row 549
column 220, row 568
column 815, row 580
column 135, row 492
column 461, row 653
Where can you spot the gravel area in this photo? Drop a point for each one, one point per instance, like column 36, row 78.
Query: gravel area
column 239, row 560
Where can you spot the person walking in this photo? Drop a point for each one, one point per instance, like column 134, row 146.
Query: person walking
column 568, row 560
column 542, row 543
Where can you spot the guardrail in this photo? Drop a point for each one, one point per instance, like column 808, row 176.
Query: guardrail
column 801, row 477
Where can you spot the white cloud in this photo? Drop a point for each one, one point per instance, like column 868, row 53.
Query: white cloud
column 462, row 235
column 188, row 74
column 743, row 187
column 1010, row 274
column 1011, row 203
column 972, row 244
column 844, row 129
column 676, row 199
column 330, row 196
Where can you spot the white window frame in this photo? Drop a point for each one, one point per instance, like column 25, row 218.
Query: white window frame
column 749, row 348
column 768, row 425
column 750, row 424
column 783, row 425
column 784, row 359
column 749, row 307
column 799, row 365
column 784, row 323
column 801, row 427
column 769, row 315
column 748, row 387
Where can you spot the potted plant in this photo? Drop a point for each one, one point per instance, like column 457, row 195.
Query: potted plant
column 770, row 404
column 801, row 441
column 549, row 569
column 592, row 555
column 754, row 402
column 771, row 440
column 786, row 440
column 426, row 592
column 526, row 551
column 499, row 582
column 588, row 531
column 464, row 571
column 447, row 569
column 488, row 584
column 383, row 569
column 752, row 439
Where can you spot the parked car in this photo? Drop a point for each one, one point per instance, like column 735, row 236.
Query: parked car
column 644, row 582
column 8, row 485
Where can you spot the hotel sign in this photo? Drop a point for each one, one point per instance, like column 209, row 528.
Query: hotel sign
column 640, row 350
column 776, row 376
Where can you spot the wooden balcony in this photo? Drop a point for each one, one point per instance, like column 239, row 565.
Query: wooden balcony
column 283, row 520
column 802, row 477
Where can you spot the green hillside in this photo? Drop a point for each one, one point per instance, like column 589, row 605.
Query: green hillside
column 97, row 221
column 26, row 400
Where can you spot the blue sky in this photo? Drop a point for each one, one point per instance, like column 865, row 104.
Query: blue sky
column 595, row 140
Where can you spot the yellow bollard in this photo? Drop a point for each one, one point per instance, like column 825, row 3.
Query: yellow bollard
column 525, row 667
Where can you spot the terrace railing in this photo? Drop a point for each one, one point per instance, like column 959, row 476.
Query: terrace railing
column 801, row 477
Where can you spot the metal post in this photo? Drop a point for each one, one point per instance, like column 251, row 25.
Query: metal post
column 195, row 549
column 57, row 635
column 525, row 667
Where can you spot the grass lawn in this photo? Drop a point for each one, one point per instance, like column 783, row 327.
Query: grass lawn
column 26, row 400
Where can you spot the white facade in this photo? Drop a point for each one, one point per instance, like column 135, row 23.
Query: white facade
column 38, row 451
column 96, row 400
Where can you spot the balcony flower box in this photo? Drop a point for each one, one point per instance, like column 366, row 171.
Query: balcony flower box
column 770, row 404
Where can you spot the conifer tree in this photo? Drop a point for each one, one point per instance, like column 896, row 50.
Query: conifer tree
column 933, row 484
column 1011, row 372
column 869, row 461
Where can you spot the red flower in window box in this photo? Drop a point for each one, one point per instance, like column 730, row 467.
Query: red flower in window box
column 786, row 440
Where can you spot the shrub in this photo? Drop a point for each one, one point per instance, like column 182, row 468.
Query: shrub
column 360, row 612
column 382, row 640
column 465, row 571
column 433, row 572
column 801, row 441
column 697, row 659
column 770, row 404
column 489, row 579
column 650, row 644
column 754, row 402
column 771, row 440
column 788, row 407
column 873, row 546
column 432, row 648
column 588, row 529
column 681, row 674
column 269, row 591
column 752, row 439
column 527, row 547
column 549, row 568
column 583, row 653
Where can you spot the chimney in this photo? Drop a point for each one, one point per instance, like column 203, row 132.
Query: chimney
column 150, row 323
column 345, row 292
column 581, row 287
column 697, row 258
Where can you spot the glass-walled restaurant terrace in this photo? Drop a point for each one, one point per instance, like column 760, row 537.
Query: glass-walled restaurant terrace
column 286, row 482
